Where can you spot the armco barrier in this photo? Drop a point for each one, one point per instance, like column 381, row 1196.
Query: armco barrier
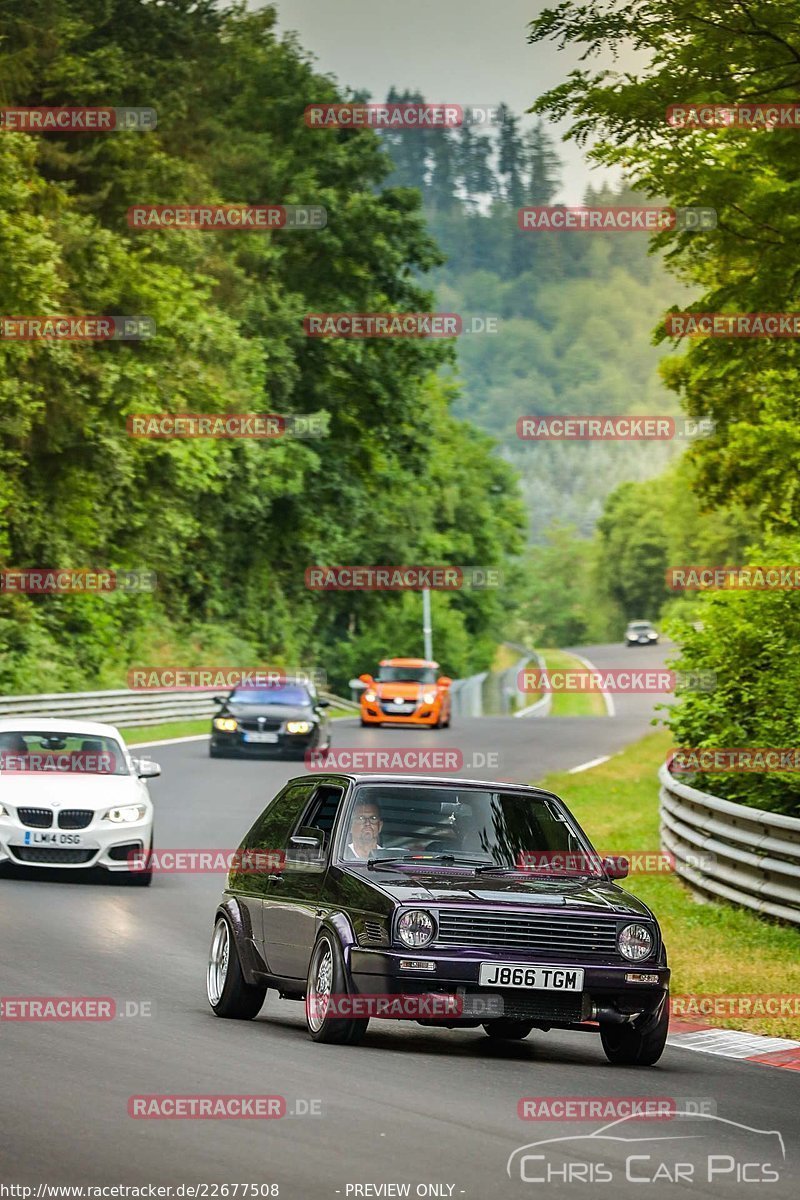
column 125, row 706
column 753, row 857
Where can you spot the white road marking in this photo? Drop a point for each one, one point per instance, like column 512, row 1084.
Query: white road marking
column 608, row 699
column 196, row 737
column 593, row 762
column 730, row 1043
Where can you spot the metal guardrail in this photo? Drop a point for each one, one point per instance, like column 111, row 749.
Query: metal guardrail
column 741, row 854
column 126, row 706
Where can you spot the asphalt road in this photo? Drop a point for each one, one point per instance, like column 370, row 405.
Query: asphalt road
column 433, row 1109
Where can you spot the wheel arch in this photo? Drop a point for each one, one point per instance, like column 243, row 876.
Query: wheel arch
column 239, row 919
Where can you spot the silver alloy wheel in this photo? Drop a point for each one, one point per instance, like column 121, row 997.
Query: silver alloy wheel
column 218, row 962
column 319, row 991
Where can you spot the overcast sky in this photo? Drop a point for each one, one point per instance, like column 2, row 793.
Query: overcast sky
column 463, row 51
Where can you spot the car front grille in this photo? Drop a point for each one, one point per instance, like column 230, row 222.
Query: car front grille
column 36, row 818
column 401, row 710
column 253, row 726
column 571, row 936
column 544, row 1006
column 75, row 818
column 52, row 856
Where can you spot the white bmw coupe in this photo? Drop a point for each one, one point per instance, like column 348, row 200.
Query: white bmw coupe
column 71, row 796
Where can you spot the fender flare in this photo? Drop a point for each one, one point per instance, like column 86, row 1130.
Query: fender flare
column 239, row 919
column 338, row 924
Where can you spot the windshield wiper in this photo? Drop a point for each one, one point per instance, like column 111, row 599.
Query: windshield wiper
column 493, row 869
column 446, row 859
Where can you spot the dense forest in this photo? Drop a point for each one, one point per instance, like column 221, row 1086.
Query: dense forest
column 575, row 312
column 734, row 499
column 228, row 527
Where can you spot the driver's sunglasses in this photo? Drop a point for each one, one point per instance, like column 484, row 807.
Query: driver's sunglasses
column 367, row 820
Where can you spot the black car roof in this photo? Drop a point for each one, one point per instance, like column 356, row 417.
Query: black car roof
column 438, row 781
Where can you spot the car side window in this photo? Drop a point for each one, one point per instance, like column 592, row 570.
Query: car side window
column 321, row 813
column 271, row 830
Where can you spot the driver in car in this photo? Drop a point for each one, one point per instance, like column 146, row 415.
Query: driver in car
column 365, row 830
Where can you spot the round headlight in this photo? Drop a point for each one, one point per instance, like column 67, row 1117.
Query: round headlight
column 416, row 928
column 370, row 696
column 635, row 942
column 429, row 697
column 299, row 727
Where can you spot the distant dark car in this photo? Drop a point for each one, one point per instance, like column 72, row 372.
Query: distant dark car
column 281, row 719
column 486, row 898
column 640, row 633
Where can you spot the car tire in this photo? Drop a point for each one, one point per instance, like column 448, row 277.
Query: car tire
column 326, row 977
column 506, row 1030
column 639, row 1044
column 228, row 992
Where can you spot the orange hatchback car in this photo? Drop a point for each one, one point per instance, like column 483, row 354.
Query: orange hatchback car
column 407, row 691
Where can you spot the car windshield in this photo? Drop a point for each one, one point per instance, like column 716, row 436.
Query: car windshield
column 32, row 751
column 406, row 675
column 282, row 693
column 640, row 626
column 492, row 829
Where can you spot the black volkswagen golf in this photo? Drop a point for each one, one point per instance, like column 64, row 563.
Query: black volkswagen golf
column 452, row 902
column 286, row 718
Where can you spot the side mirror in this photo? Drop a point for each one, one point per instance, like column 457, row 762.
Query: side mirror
column 323, row 704
column 306, row 846
column 146, row 769
column 367, row 680
column 616, row 868
column 444, row 681
column 219, row 699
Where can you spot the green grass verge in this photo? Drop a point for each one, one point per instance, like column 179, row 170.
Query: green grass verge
column 572, row 704
column 171, row 729
column 713, row 948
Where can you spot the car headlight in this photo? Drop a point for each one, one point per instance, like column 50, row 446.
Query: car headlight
column 416, row 928
column 299, row 727
column 122, row 816
column 429, row 697
column 370, row 697
column 652, row 635
column 635, row 942
column 228, row 724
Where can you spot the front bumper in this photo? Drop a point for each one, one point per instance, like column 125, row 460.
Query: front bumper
column 288, row 744
column 423, row 714
column 605, row 988
column 99, row 844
